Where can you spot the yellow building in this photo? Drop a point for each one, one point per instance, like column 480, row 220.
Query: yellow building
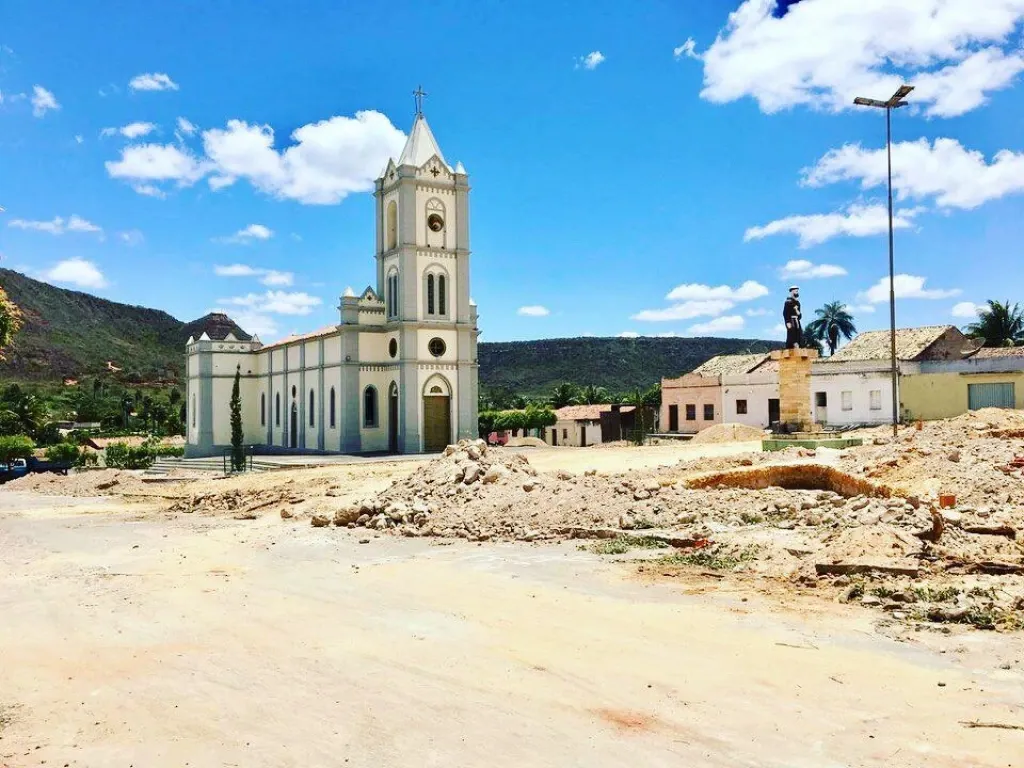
column 991, row 377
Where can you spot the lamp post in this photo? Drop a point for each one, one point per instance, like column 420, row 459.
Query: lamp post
column 895, row 102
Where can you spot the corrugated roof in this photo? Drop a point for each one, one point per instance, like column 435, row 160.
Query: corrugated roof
column 588, row 412
column 988, row 353
column 729, row 365
column 330, row 329
column 876, row 345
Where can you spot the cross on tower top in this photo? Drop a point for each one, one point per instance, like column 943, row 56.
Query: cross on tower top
column 418, row 94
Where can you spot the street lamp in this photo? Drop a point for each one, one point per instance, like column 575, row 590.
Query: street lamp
column 895, row 102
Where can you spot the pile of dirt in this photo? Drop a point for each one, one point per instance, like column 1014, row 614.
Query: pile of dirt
column 99, row 482
column 728, row 433
column 525, row 442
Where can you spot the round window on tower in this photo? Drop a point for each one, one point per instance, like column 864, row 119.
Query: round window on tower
column 437, row 347
column 435, row 222
column 393, row 347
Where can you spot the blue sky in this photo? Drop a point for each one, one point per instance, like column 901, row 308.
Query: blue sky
column 643, row 169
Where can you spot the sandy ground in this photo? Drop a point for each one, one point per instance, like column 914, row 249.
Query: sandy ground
column 131, row 638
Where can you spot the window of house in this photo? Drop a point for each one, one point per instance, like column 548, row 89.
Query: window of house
column 847, row 400
column 442, row 299
column 709, row 411
column 430, row 294
column 263, row 409
column 565, row 434
column 876, row 399
column 370, row 407
column 311, row 402
column 332, row 409
column 741, row 407
column 691, row 412
column 277, row 409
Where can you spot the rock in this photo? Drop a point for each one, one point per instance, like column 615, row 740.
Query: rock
column 652, row 486
column 420, row 507
column 529, row 485
column 563, row 475
column 493, row 475
column 952, row 517
column 626, row 523
column 685, row 518
column 345, row 516
column 286, row 514
column 320, row 521
column 641, row 494
column 871, row 600
column 472, row 474
column 786, row 525
column 364, row 541
column 590, row 473
column 953, row 456
column 449, row 450
column 473, row 452
column 363, row 519
column 859, row 503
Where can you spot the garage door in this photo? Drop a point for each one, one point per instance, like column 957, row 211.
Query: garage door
column 990, row 396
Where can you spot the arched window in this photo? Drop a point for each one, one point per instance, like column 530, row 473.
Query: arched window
column 277, row 409
column 391, row 226
column 430, row 294
column 263, row 409
column 312, row 402
column 332, row 408
column 370, row 407
column 391, row 294
column 442, row 303
column 435, row 292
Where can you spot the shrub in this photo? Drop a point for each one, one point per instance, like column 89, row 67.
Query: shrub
column 15, row 447
column 124, row 456
column 64, row 452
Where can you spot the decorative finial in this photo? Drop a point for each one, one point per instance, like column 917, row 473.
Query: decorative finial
column 418, row 94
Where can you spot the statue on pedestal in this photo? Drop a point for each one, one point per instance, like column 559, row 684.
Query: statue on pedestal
column 791, row 317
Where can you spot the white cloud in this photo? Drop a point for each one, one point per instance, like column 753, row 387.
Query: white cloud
column 823, row 53
column 856, row 220
column 860, row 309
column 186, row 127
column 271, row 277
column 43, row 101
column 533, row 310
column 276, row 302
column 905, row 287
column 149, row 190
column 591, row 60
column 748, row 291
column 79, row 139
column 131, row 237
column 257, row 323
column 967, row 309
column 686, row 310
column 629, row 335
column 954, row 176
column 327, row 161
column 724, row 324
column 687, row 49
column 801, row 268
column 77, row 272
column 57, row 226
column 156, row 162
column 155, row 81
column 248, row 235
column 130, row 131
column 759, row 312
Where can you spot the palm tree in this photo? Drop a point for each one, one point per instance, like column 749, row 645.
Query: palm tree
column 834, row 322
column 593, row 395
column 565, row 394
column 1001, row 324
column 810, row 341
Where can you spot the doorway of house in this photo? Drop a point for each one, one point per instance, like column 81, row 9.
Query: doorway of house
column 774, row 411
column 821, row 407
column 673, row 418
column 294, row 442
column 393, row 418
column 437, row 419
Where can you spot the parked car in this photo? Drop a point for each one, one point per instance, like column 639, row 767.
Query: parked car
column 497, row 438
column 21, row 467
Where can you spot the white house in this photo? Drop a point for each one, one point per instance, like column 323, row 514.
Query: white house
column 398, row 372
column 580, row 425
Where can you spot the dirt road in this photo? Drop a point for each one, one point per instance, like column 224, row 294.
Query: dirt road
column 135, row 639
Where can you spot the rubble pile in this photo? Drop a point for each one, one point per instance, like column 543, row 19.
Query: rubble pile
column 94, row 482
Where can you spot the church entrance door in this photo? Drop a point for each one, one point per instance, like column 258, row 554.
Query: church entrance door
column 437, row 422
column 294, row 442
column 393, row 419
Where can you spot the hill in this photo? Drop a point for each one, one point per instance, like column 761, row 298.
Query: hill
column 533, row 368
column 73, row 334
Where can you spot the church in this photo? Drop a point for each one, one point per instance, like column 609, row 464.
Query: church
column 397, row 373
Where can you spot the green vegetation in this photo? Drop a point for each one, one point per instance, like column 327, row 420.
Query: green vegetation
column 622, row 544
column 717, row 557
column 833, row 323
column 15, row 447
column 1000, row 324
column 124, row 456
column 533, row 416
column 237, row 449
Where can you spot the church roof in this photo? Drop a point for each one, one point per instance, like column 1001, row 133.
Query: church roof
column 421, row 145
column 217, row 326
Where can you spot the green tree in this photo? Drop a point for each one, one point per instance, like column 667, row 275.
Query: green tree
column 539, row 416
column 15, row 447
column 833, row 323
column 1000, row 324
column 10, row 321
column 643, row 415
column 565, row 394
column 237, row 449
column 810, row 341
column 593, row 395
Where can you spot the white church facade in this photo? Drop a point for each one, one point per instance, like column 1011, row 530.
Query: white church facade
column 397, row 373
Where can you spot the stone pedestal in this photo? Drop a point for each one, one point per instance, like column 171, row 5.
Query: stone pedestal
column 795, row 388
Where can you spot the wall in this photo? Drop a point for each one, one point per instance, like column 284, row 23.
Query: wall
column 942, row 395
column 859, row 384
column 691, row 390
column 756, row 389
column 576, row 430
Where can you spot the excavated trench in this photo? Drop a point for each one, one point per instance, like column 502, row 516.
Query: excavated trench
column 793, row 477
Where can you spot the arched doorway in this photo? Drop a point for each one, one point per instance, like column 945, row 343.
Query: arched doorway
column 393, row 418
column 437, row 414
column 294, row 442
